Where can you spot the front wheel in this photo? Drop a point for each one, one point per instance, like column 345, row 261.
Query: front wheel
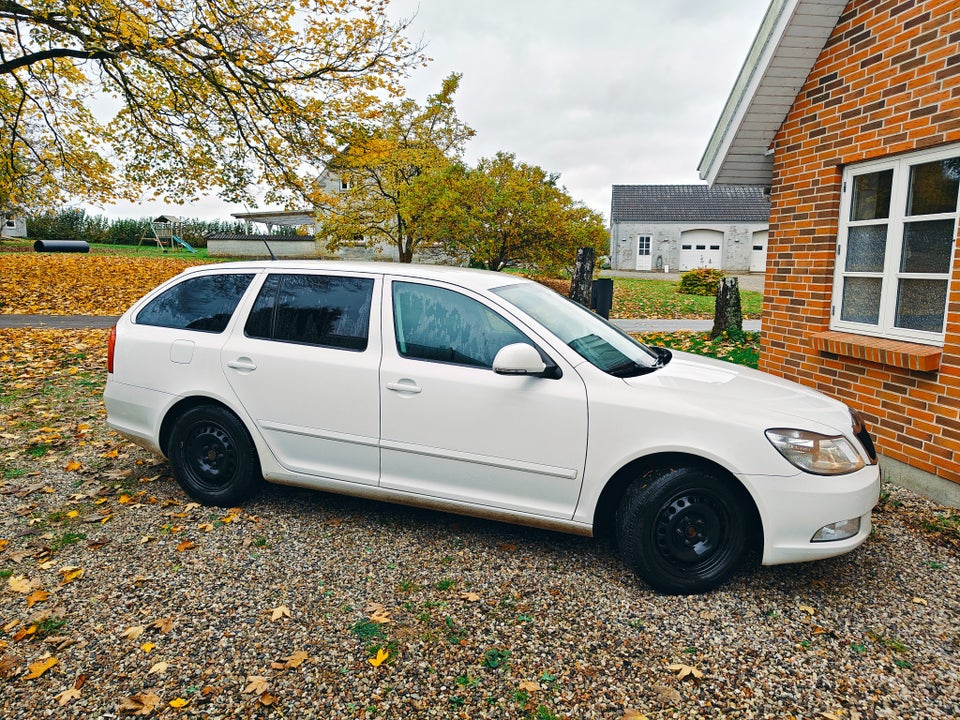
column 213, row 458
column 682, row 530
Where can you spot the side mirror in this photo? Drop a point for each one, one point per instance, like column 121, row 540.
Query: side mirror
column 518, row 359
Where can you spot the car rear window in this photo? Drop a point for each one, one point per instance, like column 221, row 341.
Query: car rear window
column 325, row 310
column 203, row 303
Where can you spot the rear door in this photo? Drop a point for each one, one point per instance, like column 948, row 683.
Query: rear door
column 305, row 367
column 454, row 429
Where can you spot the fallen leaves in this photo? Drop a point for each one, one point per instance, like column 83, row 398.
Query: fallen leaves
column 139, row 704
column 80, row 284
column 38, row 668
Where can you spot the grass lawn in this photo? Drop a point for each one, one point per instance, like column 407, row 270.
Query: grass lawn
column 745, row 351
column 642, row 298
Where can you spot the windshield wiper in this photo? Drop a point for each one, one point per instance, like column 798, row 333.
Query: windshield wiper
column 631, row 369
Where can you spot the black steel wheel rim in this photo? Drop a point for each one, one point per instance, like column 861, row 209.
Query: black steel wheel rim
column 690, row 530
column 211, row 457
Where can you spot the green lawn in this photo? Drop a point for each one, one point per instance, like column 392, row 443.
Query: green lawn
column 642, row 298
column 745, row 351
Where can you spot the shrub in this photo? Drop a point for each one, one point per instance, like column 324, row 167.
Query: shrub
column 700, row 281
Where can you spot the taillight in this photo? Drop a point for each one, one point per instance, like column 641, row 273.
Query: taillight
column 111, row 347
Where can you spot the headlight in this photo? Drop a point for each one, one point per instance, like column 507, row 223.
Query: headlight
column 816, row 453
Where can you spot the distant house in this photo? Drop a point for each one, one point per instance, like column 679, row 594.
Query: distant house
column 850, row 112
column 14, row 225
column 654, row 227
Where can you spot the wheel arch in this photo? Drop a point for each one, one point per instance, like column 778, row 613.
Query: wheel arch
column 613, row 492
column 176, row 411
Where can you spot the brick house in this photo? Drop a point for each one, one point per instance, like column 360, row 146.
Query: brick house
column 850, row 112
column 682, row 227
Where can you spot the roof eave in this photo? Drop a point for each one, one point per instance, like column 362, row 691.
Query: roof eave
column 791, row 37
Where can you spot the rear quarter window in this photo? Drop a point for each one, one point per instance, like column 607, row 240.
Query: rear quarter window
column 203, row 303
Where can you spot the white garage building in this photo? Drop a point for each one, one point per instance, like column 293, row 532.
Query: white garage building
column 681, row 227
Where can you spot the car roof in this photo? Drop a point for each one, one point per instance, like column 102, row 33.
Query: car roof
column 465, row 277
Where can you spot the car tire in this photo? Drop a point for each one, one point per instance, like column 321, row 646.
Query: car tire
column 213, row 458
column 683, row 530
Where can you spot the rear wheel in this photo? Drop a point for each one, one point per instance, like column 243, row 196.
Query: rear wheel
column 213, row 458
column 682, row 530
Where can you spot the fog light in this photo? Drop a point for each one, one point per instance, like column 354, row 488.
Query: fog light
column 837, row 531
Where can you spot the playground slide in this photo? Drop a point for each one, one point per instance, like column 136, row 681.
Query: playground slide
column 183, row 243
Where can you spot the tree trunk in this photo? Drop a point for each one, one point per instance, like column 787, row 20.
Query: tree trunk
column 582, row 282
column 727, row 314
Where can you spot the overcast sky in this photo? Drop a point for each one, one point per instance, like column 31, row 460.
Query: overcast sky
column 602, row 92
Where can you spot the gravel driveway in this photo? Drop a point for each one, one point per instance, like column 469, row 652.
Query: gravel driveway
column 281, row 609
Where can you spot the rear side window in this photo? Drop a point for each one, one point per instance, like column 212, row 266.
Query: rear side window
column 325, row 310
column 202, row 303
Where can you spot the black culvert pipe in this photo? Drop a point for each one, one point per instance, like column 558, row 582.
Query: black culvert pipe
column 74, row 246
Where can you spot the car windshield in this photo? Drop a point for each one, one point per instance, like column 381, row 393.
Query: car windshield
column 593, row 338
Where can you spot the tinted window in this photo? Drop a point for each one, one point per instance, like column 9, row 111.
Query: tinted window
column 313, row 309
column 437, row 324
column 202, row 303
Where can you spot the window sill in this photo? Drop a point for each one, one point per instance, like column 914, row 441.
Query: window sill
column 912, row 356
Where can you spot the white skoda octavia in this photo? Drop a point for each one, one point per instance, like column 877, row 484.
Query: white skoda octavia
column 485, row 394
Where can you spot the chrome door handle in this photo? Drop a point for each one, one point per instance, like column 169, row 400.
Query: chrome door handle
column 404, row 386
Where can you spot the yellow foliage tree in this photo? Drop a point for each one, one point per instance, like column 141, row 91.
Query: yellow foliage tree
column 209, row 95
column 381, row 164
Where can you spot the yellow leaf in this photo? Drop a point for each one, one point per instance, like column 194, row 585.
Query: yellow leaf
column 73, row 514
column 160, row 667
column 39, row 668
column 67, row 696
column 70, row 574
column 684, row 671
column 807, row 609
column 205, row 527
column 281, row 611
column 295, row 660
column 179, row 703
column 20, row 584
column 256, row 684
column 73, row 466
column 380, row 657
column 919, row 601
column 185, row 545
column 470, row 596
column 147, row 647
column 132, row 633
column 530, row 686
column 631, row 714
column 37, row 596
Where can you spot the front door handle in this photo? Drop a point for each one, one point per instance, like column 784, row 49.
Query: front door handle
column 404, row 386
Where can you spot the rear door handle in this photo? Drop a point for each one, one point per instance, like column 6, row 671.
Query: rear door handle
column 404, row 386
column 243, row 364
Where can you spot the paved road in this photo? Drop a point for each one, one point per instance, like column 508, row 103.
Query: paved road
column 105, row 321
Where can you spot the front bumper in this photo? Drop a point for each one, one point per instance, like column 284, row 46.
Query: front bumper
column 793, row 509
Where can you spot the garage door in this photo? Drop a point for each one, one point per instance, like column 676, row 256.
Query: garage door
column 701, row 248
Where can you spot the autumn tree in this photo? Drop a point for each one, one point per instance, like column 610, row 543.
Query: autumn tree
column 191, row 97
column 381, row 164
column 506, row 213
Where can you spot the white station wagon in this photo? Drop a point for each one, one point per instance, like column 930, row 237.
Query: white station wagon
column 489, row 395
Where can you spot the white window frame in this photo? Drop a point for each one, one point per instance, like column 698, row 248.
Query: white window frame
column 644, row 245
column 891, row 274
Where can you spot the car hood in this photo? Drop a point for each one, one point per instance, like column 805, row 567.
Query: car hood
column 733, row 390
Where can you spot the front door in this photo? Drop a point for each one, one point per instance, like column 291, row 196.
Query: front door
column 305, row 367
column 452, row 428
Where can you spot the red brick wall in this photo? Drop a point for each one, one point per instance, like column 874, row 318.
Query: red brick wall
column 887, row 82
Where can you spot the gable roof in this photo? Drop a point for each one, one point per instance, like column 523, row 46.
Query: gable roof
column 791, row 37
column 689, row 203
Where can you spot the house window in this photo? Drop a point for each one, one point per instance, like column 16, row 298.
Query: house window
column 898, row 222
column 643, row 245
column 344, row 185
